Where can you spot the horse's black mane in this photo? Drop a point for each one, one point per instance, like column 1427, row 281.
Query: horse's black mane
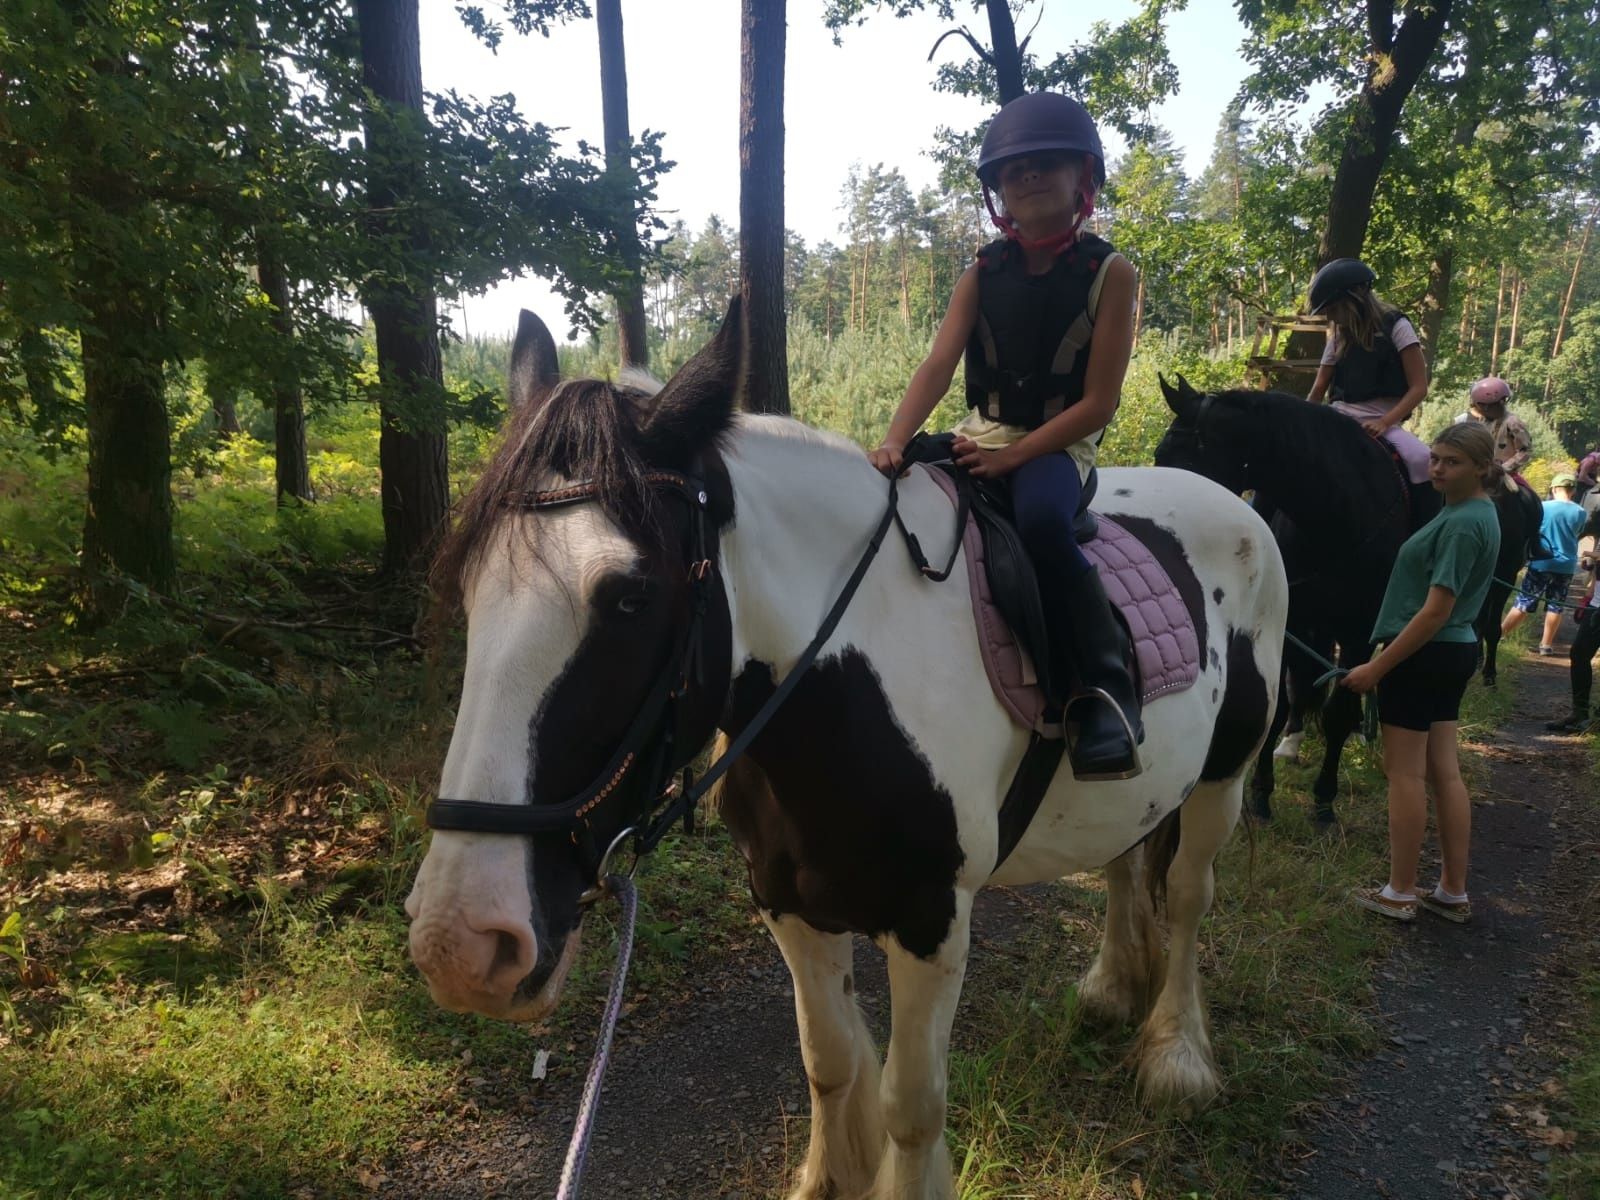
column 1301, row 451
column 1306, row 433
column 585, row 430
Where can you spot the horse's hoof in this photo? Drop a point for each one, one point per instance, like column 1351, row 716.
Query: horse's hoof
column 1259, row 811
column 1488, row 681
column 1325, row 822
column 1105, row 1007
column 1177, row 1077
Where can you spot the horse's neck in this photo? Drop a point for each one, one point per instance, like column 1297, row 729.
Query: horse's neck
column 803, row 509
column 1323, row 492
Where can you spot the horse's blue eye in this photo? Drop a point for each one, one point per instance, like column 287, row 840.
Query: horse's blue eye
column 630, row 605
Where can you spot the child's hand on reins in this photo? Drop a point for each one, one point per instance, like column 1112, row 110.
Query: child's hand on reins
column 887, row 458
column 981, row 463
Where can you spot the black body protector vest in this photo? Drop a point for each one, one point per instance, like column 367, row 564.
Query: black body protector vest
column 1371, row 374
column 1029, row 350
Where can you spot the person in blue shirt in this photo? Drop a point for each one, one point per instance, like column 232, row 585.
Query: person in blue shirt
column 1547, row 579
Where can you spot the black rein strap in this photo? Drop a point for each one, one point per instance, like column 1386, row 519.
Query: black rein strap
column 671, row 802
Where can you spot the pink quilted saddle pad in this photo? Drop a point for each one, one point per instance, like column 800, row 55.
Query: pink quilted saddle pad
column 1163, row 633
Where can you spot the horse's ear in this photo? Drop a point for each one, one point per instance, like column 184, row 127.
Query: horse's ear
column 697, row 403
column 1179, row 399
column 534, row 368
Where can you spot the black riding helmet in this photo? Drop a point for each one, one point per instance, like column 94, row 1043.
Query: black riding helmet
column 1037, row 122
column 1339, row 278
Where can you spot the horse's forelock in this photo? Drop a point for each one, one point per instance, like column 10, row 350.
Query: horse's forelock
column 586, row 431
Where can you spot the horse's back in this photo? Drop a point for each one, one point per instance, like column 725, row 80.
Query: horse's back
column 1224, row 563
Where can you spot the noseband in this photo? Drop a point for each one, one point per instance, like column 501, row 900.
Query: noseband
column 648, row 749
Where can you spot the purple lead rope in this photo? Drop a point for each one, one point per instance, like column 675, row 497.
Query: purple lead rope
column 578, row 1149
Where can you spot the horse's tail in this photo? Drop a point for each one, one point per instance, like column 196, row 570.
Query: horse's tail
column 1160, row 848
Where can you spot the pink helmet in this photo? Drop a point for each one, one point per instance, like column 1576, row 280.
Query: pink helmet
column 1491, row 390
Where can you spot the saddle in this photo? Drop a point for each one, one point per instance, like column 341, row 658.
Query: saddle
column 1013, row 627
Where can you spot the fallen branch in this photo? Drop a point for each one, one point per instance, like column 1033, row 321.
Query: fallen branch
column 74, row 678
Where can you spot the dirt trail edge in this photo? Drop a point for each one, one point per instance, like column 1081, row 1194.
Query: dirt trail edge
column 1458, row 1101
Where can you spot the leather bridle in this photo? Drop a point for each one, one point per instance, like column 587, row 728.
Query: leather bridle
column 649, row 750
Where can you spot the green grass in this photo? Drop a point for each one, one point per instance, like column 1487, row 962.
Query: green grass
column 1576, row 1176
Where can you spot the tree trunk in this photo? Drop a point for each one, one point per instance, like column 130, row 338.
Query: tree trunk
column 41, row 372
column 1396, row 61
column 1138, row 309
column 1436, row 298
column 293, row 472
column 1572, row 283
column 1441, row 268
column 1566, row 300
column 905, row 284
column 128, row 525
column 1518, row 287
column 766, row 350
column 633, row 347
column 1499, row 307
column 411, row 442
column 220, row 391
column 827, row 307
column 1006, row 60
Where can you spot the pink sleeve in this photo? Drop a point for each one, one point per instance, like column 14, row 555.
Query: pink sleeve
column 1404, row 334
column 1330, row 352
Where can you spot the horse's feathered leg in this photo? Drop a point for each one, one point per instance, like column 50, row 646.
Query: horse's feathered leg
column 841, row 1063
column 923, row 993
column 1118, row 987
column 1175, row 1062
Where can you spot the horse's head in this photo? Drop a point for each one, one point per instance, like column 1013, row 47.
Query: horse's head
column 597, row 661
column 1210, row 433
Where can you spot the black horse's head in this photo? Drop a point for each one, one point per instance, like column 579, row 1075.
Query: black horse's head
column 1211, row 434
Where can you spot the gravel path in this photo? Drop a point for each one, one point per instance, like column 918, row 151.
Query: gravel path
column 1456, row 1103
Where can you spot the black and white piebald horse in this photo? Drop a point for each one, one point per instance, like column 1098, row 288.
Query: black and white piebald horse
column 869, row 803
column 1340, row 510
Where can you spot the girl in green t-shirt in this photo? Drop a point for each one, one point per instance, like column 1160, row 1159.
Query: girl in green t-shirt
column 1438, row 584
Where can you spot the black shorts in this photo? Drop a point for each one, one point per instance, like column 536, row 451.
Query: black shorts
column 1428, row 686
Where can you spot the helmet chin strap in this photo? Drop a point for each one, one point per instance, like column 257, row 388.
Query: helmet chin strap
column 1054, row 244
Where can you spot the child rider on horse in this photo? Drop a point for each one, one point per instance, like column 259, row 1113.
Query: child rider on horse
column 1045, row 320
column 1373, row 364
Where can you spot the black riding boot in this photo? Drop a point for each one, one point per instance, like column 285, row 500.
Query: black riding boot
column 1101, row 658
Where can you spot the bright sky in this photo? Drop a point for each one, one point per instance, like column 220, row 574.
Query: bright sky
column 869, row 100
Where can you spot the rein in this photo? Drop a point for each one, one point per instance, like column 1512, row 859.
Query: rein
column 649, row 737
column 589, row 1107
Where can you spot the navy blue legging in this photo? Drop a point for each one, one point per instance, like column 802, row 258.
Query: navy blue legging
column 1044, row 499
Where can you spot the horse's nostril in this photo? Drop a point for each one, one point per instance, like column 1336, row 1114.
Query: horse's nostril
column 507, row 952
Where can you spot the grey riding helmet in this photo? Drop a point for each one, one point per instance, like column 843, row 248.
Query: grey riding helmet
column 1037, row 122
column 1339, row 278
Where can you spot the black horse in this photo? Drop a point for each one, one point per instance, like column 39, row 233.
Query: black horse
column 1340, row 508
column 1521, row 514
